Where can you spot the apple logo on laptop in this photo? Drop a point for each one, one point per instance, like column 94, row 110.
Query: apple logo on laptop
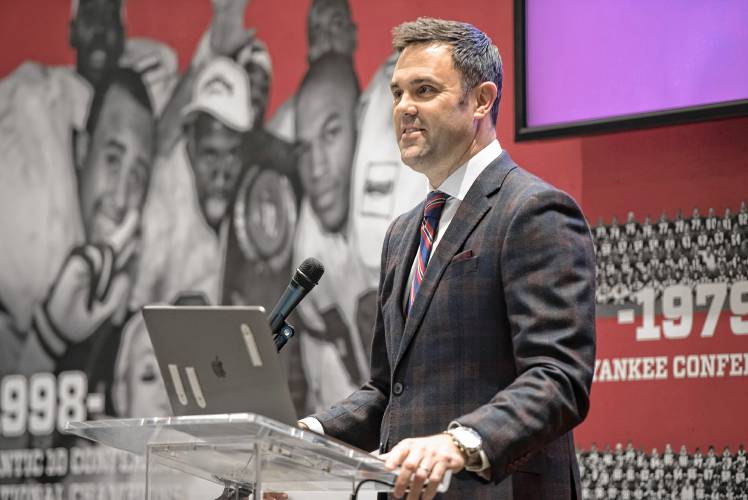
column 217, row 366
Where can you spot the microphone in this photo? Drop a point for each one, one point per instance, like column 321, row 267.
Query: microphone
column 305, row 278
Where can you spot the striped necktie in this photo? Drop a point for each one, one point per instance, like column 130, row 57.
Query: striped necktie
column 431, row 212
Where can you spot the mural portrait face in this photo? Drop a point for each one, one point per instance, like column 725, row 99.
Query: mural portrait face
column 433, row 120
column 214, row 151
column 330, row 29
column 98, row 36
column 326, row 127
column 115, row 177
column 139, row 389
column 147, row 393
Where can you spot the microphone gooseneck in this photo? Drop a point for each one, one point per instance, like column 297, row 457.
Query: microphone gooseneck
column 305, row 278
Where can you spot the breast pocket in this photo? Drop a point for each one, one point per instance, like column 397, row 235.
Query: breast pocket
column 461, row 267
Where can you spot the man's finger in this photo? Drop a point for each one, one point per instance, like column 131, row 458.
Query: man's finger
column 435, row 478
column 275, row 496
column 395, row 457
column 407, row 470
column 124, row 232
column 123, row 257
column 419, row 477
column 117, row 295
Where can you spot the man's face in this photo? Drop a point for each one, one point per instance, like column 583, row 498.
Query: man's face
column 330, row 29
column 433, row 118
column 326, row 127
column 97, row 34
column 214, row 151
column 146, row 392
column 116, row 173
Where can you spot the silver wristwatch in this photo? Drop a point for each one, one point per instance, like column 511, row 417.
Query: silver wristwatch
column 470, row 445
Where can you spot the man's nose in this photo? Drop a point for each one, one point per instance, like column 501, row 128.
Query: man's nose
column 405, row 106
column 115, row 205
column 223, row 174
column 318, row 165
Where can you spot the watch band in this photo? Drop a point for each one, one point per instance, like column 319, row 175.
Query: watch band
column 459, row 445
column 472, row 456
column 476, row 459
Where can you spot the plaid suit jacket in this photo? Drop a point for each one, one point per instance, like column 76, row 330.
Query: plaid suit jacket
column 501, row 337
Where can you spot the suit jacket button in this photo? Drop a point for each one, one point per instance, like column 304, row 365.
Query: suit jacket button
column 397, row 389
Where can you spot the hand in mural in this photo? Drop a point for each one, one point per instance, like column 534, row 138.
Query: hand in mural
column 227, row 33
column 91, row 287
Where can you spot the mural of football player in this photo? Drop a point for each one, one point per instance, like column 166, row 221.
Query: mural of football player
column 330, row 29
column 76, row 324
column 98, row 35
column 185, row 219
column 47, row 116
column 332, row 345
column 87, row 302
column 185, row 222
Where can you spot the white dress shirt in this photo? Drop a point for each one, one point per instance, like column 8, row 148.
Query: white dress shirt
column 456, row 186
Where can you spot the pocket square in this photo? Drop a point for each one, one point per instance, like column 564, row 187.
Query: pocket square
column 465, row 255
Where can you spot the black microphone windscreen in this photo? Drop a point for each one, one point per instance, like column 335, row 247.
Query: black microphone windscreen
column 311, row 269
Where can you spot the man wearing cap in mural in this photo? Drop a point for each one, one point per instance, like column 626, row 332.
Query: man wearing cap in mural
column 334, row 348
column 185, row 223
column 186, row 214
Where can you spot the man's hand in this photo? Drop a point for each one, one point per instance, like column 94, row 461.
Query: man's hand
column 421, row 459
column 91, row 287
column 227, row 33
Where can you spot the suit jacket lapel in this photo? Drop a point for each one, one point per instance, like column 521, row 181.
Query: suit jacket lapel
column 406, row 252
column 472, row 209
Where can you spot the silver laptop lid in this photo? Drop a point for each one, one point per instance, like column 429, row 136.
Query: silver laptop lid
column 219, row 359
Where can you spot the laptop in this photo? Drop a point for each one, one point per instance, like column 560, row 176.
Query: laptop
column 219, row 359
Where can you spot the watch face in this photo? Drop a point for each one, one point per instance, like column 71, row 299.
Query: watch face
column 470, row 439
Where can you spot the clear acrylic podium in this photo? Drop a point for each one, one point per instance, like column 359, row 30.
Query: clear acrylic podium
column 243, row 451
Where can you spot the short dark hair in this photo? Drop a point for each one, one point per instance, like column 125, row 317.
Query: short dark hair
column 128, row 80
column 473, row 53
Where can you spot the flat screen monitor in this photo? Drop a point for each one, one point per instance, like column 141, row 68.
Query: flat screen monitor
column 587, row 66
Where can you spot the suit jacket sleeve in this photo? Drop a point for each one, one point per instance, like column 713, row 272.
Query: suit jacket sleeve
column 547, row 271
column 357, row 419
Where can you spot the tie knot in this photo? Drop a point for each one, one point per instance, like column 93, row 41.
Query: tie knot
column 434, row 203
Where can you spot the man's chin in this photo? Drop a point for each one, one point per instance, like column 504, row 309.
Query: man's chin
column 414, row 159
column 332, row 220
column 214, row 210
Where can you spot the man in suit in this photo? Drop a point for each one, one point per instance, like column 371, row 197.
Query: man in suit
column 483, row 347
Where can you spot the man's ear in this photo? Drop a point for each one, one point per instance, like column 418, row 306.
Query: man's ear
column 485, row 95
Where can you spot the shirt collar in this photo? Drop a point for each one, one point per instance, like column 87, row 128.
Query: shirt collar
column 460, row 181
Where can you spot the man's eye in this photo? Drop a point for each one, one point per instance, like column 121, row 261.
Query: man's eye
column 332, row 132
column 425, row 89
column 397, row 94
column 113, row 161
column 149, row 375
column 138, row 177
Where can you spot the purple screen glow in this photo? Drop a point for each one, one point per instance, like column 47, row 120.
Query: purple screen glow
column 592, row 59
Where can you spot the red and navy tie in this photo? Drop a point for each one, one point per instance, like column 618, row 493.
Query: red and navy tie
column 431, row 212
